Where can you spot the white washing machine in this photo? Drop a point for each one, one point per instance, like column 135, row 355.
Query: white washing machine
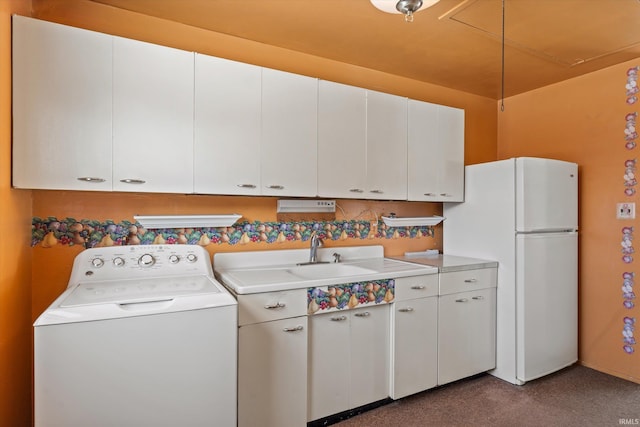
column 142, row 336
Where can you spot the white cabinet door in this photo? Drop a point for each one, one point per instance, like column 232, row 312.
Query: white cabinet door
column 466, row 334
column 386, row 146
column 369, row 339
column 329, row 364
column 61, row 107
column 342, row 143
column 272, row 373
column 289, row 134
column 435, row 153
column 348, row 360
column 227, row 126
column 414, row 346
column 152, row 118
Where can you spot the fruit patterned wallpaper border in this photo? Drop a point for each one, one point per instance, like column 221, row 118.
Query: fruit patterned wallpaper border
column 630, row 136
column 51, row 231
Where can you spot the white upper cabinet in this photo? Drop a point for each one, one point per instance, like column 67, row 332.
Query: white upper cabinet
column 436, row 153
column 342, row 143
column 289, row 134
column 61, row 107
column 362, row 143
column 152, row 118
column 386, row 146
column 227, row 126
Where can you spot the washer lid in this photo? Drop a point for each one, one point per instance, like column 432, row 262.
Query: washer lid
column 138, row 290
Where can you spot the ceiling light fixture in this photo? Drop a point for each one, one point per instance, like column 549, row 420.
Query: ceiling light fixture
column 405, row 7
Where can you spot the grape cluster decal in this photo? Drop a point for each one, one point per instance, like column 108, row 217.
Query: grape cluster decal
column 630, row 182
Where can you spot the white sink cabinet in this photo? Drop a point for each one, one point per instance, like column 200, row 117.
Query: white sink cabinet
column 62, row 80
column 272, row 359
column 414, row 338
column 348, row 360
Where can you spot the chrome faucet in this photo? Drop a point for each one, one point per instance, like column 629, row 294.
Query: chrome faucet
column 315, row 242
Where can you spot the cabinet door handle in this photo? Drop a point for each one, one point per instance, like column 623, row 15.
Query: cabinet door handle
column 276, row 187
column 246, row 186
column 406, row 310
column 462, row 300
column 365, row 314
column 376, row 191
column 356, row 190
column 430, row 194
column 418, row 287
column 132, row 181
column 470, row 280
column 446, row 195
column 274, row 306
column 91, row 179
column 338, row 319
column 478, row 298
column 295, row 329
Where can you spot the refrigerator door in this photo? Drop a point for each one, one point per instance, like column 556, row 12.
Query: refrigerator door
column 546, row 195
column 546, row 303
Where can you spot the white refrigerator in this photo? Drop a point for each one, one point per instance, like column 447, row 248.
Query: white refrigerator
column 523, row 213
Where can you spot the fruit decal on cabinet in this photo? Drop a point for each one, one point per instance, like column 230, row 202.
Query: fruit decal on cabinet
column 350, row 295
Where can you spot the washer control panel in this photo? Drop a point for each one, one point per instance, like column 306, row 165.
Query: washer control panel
column 140, row 261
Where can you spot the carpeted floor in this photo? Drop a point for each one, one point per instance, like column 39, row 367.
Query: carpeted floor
column 575, row 396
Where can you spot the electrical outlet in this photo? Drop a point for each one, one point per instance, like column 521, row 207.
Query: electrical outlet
column 625, row 210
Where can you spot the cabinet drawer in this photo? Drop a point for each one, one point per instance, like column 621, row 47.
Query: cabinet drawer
column 256, row 308
column 416, row 287
column 468, row 280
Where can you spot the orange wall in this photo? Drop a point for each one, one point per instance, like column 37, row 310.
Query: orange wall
column 583, row 120
column 15, row 254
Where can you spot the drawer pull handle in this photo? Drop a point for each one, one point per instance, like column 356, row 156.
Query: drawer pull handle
column 274, row 306
column 356, row 190
column 132, row 181
column 376, row 191
column 406, row 310
column 365, row 314
column 478, row 298
column 338, row 319
column 296, row 329
column 418, row 287
column 430, row 194
column 445, row 194
column 462, row 300
column 91, row 179
column 246, row 186
column 470, row 280
column 275, row 187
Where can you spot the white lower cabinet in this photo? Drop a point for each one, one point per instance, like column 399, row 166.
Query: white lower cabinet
column 466, row 334
column 272, row 359
column 414, row 336
column 348, row 360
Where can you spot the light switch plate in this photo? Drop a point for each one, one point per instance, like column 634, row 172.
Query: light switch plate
column 625, row 210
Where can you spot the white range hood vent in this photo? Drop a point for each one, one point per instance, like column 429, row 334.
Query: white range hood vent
column 300, row 206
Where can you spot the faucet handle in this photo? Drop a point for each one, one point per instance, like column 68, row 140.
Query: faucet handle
column 336, row 257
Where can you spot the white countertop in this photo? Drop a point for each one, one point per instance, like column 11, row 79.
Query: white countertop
column 447, row 263
column 269, row 271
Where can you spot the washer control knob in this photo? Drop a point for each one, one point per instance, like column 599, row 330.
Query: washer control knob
column 97, row 262
column 192, row 257
column 146, row 260
column 174, row 259
column 118, row 262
